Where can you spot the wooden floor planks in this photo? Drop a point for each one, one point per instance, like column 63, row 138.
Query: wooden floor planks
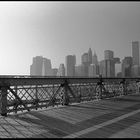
column 64, row 121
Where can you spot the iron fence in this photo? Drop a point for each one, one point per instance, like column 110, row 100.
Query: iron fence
column 27, row 93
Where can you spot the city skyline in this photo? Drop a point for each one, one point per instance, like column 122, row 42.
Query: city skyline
column 56, row 29
column 110, row 66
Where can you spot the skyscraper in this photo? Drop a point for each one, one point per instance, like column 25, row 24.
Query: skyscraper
column 135, row 71
column 90, row 56
column 70, row 65
column 95, row 59
column 36, row 67
column 47, row 67
column 108, row 54
column 54, row 71
column 85, row 64
column 118, row 68
column 78, row 70
column 107, row 68
column 127, row 66
column 135, row 52
column 84, row 59
column 41, row 66
column 92, row 71
column 61, row 70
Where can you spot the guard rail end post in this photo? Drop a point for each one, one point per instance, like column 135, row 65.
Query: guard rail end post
column 3, row 101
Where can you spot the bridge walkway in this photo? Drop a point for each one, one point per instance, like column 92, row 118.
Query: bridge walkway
column 109, row 118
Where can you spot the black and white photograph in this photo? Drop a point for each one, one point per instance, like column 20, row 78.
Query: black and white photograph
column 69, row 69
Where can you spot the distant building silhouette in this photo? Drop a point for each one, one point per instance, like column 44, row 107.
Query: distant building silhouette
column 61, row 70
column 127, row 66
column 85, row 64
column 94, row 59
column 41, row 66
column 36, row 67
column 135, row 52
column 84, row 59
column 135, row 71
column 70, row 65
column 92, row 71
column 118, row 68
column 90, row 56
column 107, row 68
column 78, row 70
column 54, row 71
column 47, row 67
column 108, row 54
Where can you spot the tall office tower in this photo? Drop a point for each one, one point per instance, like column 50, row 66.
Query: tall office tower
column 95, row 59
column 135, row 71
column 92, row 71
column 61, row 70
column 116, row 60
column 36, row 67
column 70, row 65
column 84, row 59
column 32, row 69
column 85, row 64
column 102, row 68
column 47, row 67
column 54, row 71
column 78, row 70
column 118, row 68
column 108, row 54
column 135, row 52
column 127, row 66
column 90, row 56
column 107, row 68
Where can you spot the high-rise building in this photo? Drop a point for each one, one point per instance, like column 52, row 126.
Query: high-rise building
column 107, row 68
column 61, row 70
column 118, row 68
column 135, row 71
column 135, row 52
column 92, row 71
column 108, row 54
column 54, row 71
column 126, row 66
column 90, row 56
column 84, row 59
column 85, row 64
column 70, row 65
column 47, row 68
column 94, row 59
column 102, row 68
column 36, row 67
column 78, row 70
column 41, row 66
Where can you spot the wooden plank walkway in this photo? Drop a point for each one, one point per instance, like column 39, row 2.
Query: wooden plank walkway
column 110, row 118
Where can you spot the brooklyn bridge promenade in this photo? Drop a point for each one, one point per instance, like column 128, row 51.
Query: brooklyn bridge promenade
column 90, row 108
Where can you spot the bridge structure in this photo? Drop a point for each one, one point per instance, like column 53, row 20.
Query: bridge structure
column 21, row 93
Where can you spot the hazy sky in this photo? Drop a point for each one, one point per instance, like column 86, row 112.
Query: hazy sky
column 56, row 29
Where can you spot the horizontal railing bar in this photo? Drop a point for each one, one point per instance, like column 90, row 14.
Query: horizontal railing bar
column 48, row 81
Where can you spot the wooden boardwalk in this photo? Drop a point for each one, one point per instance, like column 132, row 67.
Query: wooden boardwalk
column 110, row 118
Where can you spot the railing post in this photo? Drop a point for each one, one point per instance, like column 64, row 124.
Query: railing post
column 100, row 85
column 123, row 83
column 3, row 101
column 137, row 90
column 36, row 92
column 66, row 98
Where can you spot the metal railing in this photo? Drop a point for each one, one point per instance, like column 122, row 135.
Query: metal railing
column 19, row 93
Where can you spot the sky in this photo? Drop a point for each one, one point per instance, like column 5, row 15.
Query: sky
column 57, row 29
